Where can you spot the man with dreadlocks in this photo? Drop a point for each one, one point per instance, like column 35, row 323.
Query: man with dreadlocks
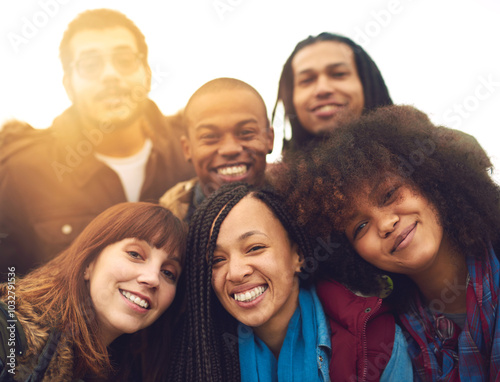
column 327, row 78
column 253, row 313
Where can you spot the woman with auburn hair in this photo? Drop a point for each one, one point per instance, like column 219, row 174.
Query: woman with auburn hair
column 411, row 202
column 118, row 277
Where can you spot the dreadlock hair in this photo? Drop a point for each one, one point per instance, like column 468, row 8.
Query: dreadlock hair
column 399, row 143
column 207, row 345
column 374, row 88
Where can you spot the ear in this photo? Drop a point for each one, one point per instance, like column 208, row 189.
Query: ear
column 88, row 271
column 68, row 86
column 298, row 258
column 86, row 274
column 186, row 147
column 270, row 139
column 148, row 78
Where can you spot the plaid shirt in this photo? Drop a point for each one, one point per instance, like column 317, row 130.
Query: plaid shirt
column 440, row 351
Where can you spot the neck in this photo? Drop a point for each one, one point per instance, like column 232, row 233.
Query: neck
column 123, row 141
column 109, row 337
column 273, row 332
column 443, row 286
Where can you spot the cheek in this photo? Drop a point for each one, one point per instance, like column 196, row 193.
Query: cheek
column 366, row 251
column 201, row 155
column 298, row 98
column 167, row 297
column 142, row 78
column 217, row 283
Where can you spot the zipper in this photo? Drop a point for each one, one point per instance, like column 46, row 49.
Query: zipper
column 363, row 337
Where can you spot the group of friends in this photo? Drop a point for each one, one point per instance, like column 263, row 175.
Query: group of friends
column 137, row 246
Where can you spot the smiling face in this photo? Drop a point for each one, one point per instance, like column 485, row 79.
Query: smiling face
column 255, row 270
column 229, row 138
column 131, row 284
column 115, row 93
column 396, row 229
column 326, row 85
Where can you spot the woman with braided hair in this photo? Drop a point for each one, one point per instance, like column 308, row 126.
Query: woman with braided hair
column 404, row 198
column 253, row 313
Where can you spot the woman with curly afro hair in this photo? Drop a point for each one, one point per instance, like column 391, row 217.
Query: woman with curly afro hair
column 253, row 313
column 413, row 205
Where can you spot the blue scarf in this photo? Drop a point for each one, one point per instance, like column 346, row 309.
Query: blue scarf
column 440, row 351
column 297, row 360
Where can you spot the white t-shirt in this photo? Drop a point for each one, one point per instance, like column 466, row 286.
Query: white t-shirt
column 131, row 170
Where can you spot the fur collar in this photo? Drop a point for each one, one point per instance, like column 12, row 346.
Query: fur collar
column 37, row 333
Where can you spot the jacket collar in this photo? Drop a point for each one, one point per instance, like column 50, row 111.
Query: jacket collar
column 74, row 145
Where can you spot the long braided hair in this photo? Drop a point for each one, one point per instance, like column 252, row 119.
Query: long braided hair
column 206, row 348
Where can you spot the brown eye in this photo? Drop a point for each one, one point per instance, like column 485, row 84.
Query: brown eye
column 170, row 275
column 358, row 229
column 134, row 254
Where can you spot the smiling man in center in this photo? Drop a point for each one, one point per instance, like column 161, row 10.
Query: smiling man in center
column 227, row 137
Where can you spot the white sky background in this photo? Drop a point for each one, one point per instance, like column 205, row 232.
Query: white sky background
column 443, row 57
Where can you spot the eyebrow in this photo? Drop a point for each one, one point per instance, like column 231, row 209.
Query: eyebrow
column 92, row 52
column 215, row 127
column 175, row 258
column 330, row 66
column 246, row 235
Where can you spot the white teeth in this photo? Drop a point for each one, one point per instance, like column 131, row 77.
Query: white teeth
column 135, row 299
column 250, row 295
column 233, row 170
column 326, row 108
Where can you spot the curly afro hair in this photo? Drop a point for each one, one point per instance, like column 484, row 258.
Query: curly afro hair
column 446, row 166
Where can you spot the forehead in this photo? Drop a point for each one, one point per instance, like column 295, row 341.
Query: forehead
column 102, row 41
column 226, row 108
column 248, row 215
column 321, row 54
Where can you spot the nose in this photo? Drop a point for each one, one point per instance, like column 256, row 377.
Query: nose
column 108, row 70
column 387, row 224
column 238, row 269
column 324, row 86
column 149, row 275
column 230, row 146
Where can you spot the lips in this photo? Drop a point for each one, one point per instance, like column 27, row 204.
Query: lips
column 250, row 294
column 404, row 238
column 111, row 93
column 232, row 170
column 325, row 110
column 137, row 299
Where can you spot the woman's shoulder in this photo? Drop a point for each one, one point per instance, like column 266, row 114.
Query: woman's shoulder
column 12, row 338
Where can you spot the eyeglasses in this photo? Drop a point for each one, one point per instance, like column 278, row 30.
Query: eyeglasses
column 90, row 67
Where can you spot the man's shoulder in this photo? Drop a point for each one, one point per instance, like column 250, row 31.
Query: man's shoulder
column 182, row 192
column 178, row 198
column 164, row 125
column 18, row 138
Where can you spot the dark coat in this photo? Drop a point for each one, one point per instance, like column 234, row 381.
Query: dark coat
column 52, row 186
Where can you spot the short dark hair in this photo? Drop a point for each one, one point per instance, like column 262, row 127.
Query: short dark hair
column 374, row 88
column 221, row 84
column 448, row 167
column 99, row 19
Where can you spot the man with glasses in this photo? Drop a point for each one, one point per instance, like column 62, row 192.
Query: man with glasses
column 112, row 145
